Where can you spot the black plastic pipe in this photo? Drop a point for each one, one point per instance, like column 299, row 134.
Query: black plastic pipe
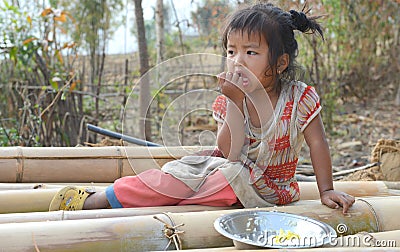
column 116, row 135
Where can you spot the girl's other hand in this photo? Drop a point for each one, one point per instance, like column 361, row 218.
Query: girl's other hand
column 335, row 199
column 229, row 84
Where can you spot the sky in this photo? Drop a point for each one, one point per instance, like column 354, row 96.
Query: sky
column 124, row 42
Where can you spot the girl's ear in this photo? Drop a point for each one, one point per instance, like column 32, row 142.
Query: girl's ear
column 283, row 62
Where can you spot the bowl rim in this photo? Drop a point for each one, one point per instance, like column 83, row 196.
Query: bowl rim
column 330, row 232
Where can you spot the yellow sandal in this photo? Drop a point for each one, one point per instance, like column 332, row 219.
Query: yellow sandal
column 70, row 198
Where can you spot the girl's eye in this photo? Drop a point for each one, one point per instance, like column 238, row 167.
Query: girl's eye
column 230, row 52
column 251, row 53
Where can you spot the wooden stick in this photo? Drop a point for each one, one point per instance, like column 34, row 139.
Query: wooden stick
column 348, row 171
column 338, row 173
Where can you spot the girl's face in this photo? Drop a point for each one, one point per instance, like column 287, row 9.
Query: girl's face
column 248, row 56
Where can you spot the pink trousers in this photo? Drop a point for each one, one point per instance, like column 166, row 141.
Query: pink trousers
column 156, row 188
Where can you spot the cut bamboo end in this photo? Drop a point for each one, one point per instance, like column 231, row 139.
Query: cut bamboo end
column 385, row 212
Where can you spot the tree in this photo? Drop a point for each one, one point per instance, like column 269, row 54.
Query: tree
column 96, row 19
column 144, row 94
column 160, row 31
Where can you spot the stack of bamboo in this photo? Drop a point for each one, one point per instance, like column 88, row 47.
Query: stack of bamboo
column 25, row 224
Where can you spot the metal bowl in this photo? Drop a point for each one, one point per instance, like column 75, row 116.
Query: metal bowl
column 273, row 230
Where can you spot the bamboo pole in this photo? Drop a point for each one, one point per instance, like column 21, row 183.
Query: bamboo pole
column 102, row 213
column 22, row 201
column 393, row 185
column 83, row 164
column 359, row 218
column 110, row 213
column 40, row 201
column 393, row 235
column 386, row 213
column 309, row 190
column 27, row 186
column 144, row 233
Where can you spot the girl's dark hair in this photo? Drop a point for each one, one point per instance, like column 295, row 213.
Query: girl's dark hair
column 277, row 27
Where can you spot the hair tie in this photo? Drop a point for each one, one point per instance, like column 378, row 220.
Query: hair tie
column 300, row 21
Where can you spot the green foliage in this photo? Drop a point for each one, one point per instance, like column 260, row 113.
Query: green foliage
column 38, row 77
column 41, row 59
column 7, row 136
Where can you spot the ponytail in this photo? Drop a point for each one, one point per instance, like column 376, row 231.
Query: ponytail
column 305, row 24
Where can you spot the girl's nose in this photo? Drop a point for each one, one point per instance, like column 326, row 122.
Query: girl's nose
column 238, row 61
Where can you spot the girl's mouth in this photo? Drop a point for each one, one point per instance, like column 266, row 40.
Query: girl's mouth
column 244, row 79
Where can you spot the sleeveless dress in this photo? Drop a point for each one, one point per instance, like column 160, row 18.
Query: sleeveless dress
column 273, row 152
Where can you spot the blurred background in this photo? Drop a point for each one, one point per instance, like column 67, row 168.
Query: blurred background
column 66, row 64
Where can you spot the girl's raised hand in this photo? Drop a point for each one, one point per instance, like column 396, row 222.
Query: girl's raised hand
column 335, row 199
column 230, row 85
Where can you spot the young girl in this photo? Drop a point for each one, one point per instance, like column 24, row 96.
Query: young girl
column 264, row 116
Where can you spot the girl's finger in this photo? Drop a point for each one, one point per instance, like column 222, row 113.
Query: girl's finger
column 330, row 203
column 235, row 78
column 228, row 76
column 239, row 82
column 347, row 201
column 345, row 205
column 221, row 77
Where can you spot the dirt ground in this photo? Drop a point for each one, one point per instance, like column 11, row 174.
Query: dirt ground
column 356, row 133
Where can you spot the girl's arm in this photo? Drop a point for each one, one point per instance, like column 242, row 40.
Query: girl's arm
column 320, row 157
column 230, row 137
